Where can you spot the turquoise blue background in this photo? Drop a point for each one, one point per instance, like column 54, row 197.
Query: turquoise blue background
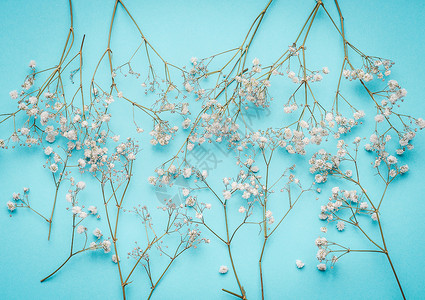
column 180, row 30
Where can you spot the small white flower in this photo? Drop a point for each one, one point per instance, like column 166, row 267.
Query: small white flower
column 392, row 84
column 54, row 168
column 223, row 269
column 186, row 123
column 25, row 131
column 76, row 119
column 246, row 195
column 187, row 172
column 106, row 245
column 11, row 206
column 97, row 233
column 81, row 185
column 81, row 229
column 323, row 216
column 321, row 254
column 76, row 210
column 190, row 201
column 13, row 94
column 152, row 180
column 48, row 150
column 404, row 169
column 299, row 264
column 81, row 163
column 392, row 160
column 185, row 192
column 379, row 118
column 340, row 225
column 188, row 87
column 115, row 258
column 321, row 267
column 93, row 209
column 321, row 241
column 421, row 123
column 68, row 197
column 227, row 195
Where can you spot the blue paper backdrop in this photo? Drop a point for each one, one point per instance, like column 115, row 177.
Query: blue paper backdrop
column 180, row 30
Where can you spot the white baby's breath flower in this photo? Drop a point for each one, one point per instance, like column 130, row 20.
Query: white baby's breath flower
column 97, row 233
column 48, row 150
column 299, row 264
column 68, row 197
column 152, row 180
column 11, row 206
column 187, row 172
column 391, row 160
column 92, row 245
column 115, row 258
column 227, row 195
column 76, row 210
column 188, row 87
column 81, row 185
column 92, row 209
column 81, row 163
column 340, row 225
column 321, row 241
column 106, row 245
column 185, row 192
column 223, row 269
column 379, row 118
column 404, row 169
column 54, row 168
column 14, row 94
column 190, row 201
column 81, row 229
